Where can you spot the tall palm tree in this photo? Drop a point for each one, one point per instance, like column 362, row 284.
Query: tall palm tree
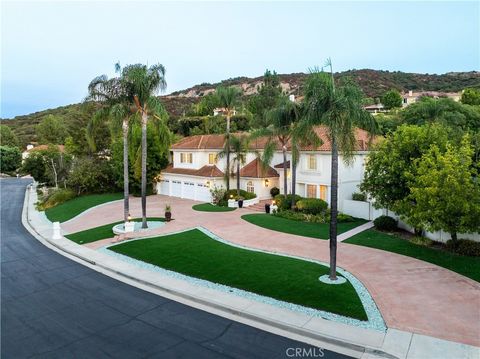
column 340, row 110
column 228, row 97
column 238, row 146
column 141, row 84
column 115, row 109
column 280, row 120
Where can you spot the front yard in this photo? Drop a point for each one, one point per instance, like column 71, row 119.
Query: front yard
column 467, row 266
column 195, row 254
column 307, row 229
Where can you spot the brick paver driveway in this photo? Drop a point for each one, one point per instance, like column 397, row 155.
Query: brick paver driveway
column 412, row 295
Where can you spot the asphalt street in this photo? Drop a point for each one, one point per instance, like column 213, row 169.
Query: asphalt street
column 52, row 307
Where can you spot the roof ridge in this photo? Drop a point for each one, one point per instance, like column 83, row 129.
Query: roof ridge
column 200, row 143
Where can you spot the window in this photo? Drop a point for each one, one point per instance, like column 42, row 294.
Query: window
column 186, row 157
column 311, row 191
column 250, row 187
column 212, row 158
column 312, row 162
column 323, row 192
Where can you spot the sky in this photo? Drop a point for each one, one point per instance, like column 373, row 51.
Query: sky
column 51, row 50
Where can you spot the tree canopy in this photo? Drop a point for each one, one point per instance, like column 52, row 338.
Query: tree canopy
column 392, row 99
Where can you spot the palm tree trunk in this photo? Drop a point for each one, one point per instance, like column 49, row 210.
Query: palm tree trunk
column 144, row 170
column 333, row 212
column 126, row 207
column 228, row 153
column 294, row 177
column 238, row 178
column 285, row 180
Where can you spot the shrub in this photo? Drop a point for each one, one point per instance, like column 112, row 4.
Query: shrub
column 284, row 203
column 385, row 223
column 465, row 247
column 274, row 192
column 244, row 194
column 56, row 197
column 359, row 197
column 421, row 241
column 342, row 218
column 298, row 216
column 218, row 194
column 312, row 205
column 91, row 175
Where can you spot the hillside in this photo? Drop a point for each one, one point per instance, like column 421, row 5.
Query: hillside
column 373, row 82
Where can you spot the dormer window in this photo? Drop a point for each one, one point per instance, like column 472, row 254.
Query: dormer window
column 212, row 158
column 186, row 157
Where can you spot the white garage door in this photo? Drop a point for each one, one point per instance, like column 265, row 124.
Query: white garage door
column 176, row 188
column 203, row 193
column 164, row 187
column 189, row 190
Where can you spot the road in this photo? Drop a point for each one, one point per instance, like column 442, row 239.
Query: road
column 52, row 307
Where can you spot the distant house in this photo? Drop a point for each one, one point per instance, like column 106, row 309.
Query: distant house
column 411, row 97
column 32, row 148
column 221, row 111
column 376, row 108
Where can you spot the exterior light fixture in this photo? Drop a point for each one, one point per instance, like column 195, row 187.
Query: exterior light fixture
column 231, row 196
column 266, row 182
column 273, row 202
column 208, row 183
column 129, row 217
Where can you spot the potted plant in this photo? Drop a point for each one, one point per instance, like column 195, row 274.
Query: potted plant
column 168, row 213
column 240, row 201
column 267, row 208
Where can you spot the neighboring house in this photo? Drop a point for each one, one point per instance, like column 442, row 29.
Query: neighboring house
column 222, row 111
column 374, row 109
column 412, row 97
column 31, row 148
column 195, row 169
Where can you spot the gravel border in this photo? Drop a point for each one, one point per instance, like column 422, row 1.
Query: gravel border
column 375, row 320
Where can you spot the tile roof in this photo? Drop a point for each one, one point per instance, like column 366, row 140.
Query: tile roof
column 61, row 148
column 280, row 165
column 205, row 171
column 254, row 170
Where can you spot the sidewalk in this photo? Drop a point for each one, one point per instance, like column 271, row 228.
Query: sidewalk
column 354, row 341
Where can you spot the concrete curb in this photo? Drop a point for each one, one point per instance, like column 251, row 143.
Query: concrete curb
column 353, row 341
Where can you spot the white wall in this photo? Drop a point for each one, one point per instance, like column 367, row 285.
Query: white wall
column 360, row 209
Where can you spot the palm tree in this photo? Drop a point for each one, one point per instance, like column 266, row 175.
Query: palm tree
column 238, row 146
column 280, row 120
column 228, row 97
column 340, row 110
column 114, row 108
column 141, row 83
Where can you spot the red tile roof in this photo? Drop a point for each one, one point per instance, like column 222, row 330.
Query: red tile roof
column 61, row 148
column 254, row 170
column 280, row 165
column 205, row 171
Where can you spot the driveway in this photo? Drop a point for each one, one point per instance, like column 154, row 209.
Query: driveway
column 52, row 307
column 412, row 295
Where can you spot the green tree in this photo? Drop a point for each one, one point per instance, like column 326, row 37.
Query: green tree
column 141, row 84
column 52, row 130
column 228, row 98
column 445, row 190
column 207, row 104
column 387, row 166
column 471, row 96
column 10, row 159
column 340, row 110
column 34, row 165
column 90, row 175
column 392, row 99
column 8, row 137
column 239, row 148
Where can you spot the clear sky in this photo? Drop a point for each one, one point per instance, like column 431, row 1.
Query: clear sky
column 51, row 50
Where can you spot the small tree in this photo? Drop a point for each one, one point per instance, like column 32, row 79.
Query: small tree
column 52, row 130
column 392, row 99
column 10, row 159
column 471, row 96
column 446, row 191
column 239, row 149
column 8, row 137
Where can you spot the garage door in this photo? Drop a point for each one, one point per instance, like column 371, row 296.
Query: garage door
column 176, row 188
column 203, row 193
column 189, row 190
column 164, row 187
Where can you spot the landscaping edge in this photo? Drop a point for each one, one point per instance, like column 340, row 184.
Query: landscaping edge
column 345, row 339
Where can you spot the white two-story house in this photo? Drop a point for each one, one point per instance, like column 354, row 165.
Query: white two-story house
column 195, row 168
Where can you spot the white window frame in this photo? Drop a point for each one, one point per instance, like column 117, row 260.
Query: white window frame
column 250, row 187
column 214, row 155
column 309, row 162
column 186, row 157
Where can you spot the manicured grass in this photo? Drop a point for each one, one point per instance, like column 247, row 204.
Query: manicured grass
column 292, row 280
column 102, row 232
column 74, row 207
column 307, row 229
column 208, row 207
column 467, row 266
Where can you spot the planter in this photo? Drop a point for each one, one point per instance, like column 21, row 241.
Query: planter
column 267, row 208
column 168, row 216
column 240, row 203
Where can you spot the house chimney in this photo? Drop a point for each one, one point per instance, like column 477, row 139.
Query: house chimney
column 291, row 98
column 29, row 147
column 410, row 93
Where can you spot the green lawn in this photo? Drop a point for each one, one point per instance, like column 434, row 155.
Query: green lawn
column 307, row 229
column 467, row 266
column 292, row 280
column 102, row 232
column 74, row 207
column 208, row 207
